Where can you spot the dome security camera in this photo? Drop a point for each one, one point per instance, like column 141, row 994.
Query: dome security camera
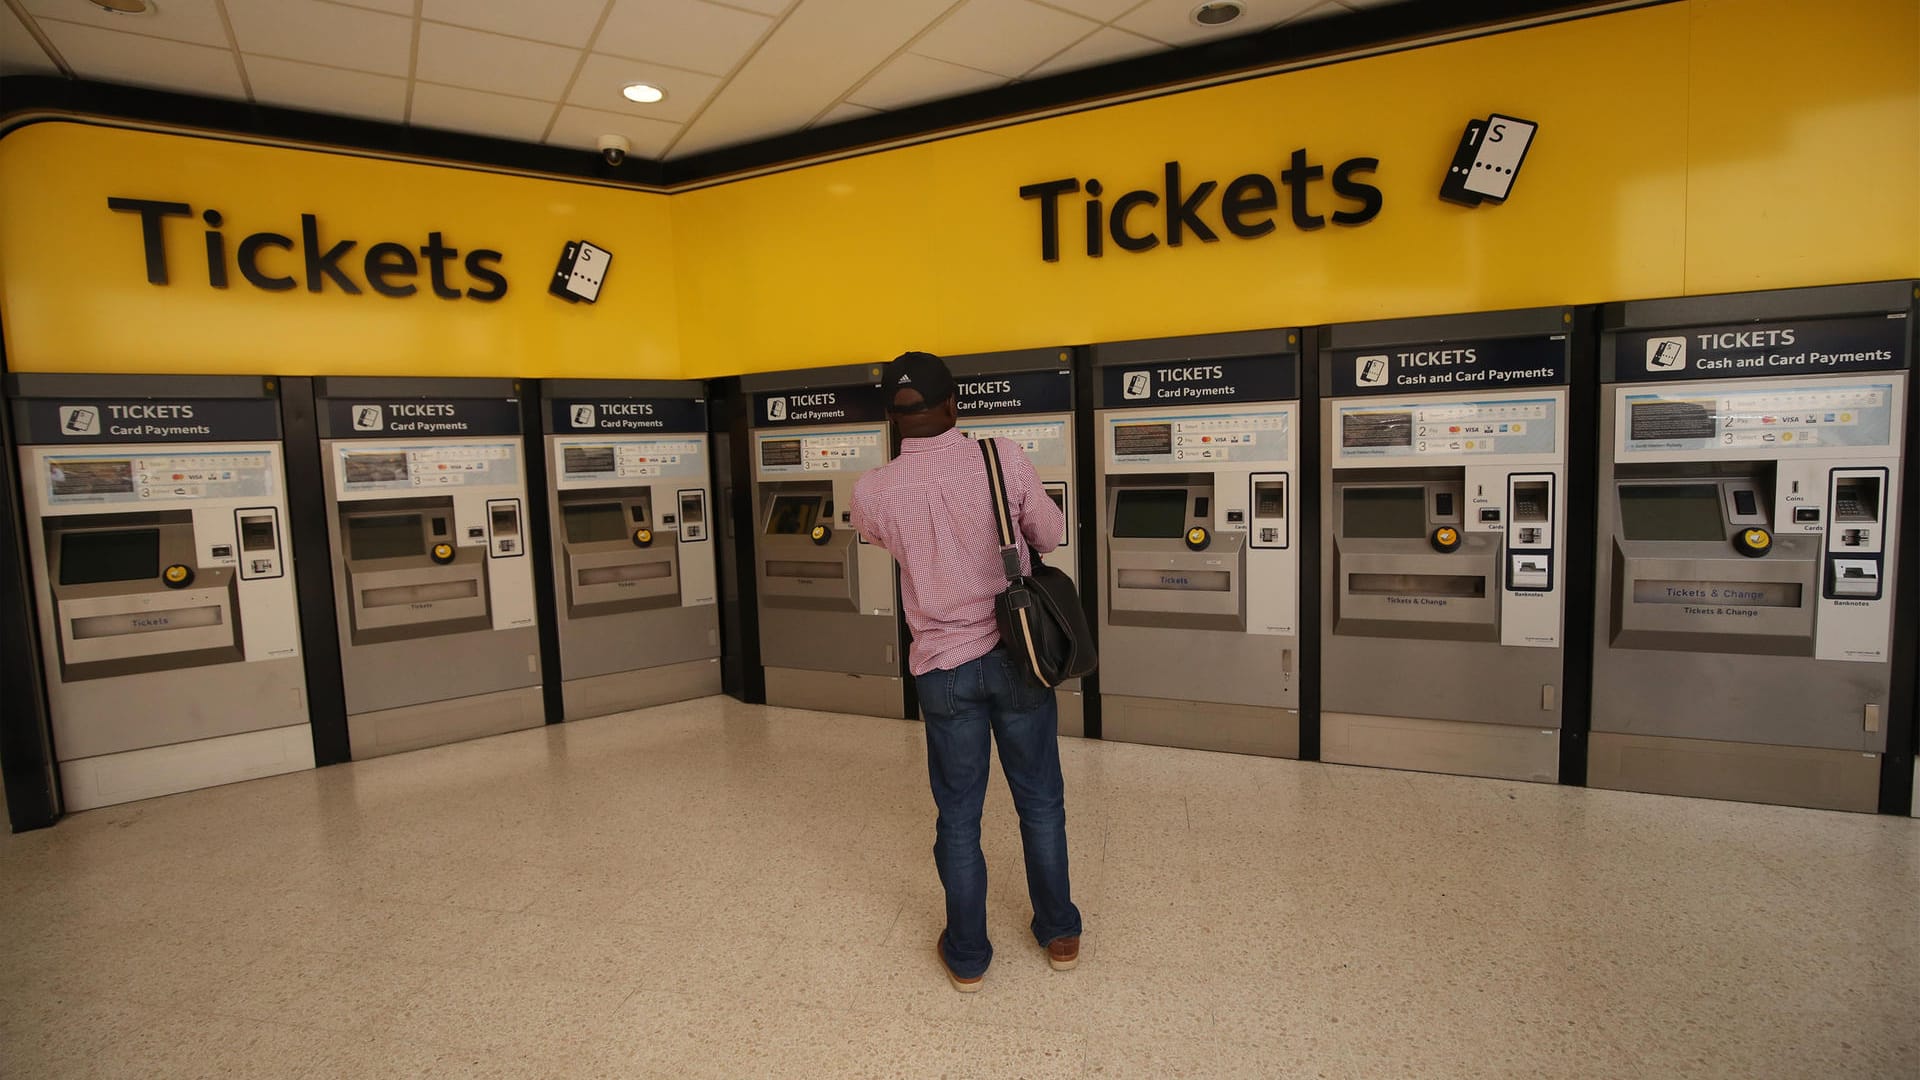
column 614, row 148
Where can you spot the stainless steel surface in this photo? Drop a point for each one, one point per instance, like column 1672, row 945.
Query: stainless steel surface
column 834, row 691
column 627, row 688
column 1200, row 725
column 443, row 720
column 1741, row 771
column 1424, row 744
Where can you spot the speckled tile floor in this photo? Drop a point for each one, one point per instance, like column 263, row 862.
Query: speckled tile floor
column 718, row 890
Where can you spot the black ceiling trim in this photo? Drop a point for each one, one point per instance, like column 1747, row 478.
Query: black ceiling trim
column 1408, row 24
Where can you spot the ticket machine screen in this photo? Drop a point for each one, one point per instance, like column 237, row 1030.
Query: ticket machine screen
column 384, row 536
column 591, row 523
column 793, row 515
column 1384, row 513
column 1150, row 513
column 1672, row 512
column 88, row 558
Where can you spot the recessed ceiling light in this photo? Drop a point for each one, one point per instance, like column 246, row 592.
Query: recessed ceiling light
column 643, row 93
column 125, row 7
column 1218, row 13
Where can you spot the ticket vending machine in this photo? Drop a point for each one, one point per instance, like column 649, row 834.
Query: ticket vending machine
column 426, row 514
column 1750, row 480
column 630, row 499
column 1443, row 568
column 1026, row 396
column 156, row 512
column 1196, row 483
column 831, row 637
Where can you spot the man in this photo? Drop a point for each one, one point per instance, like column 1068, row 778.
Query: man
column 932, row 510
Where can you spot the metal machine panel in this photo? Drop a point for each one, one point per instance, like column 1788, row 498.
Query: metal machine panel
column 1748, row 513
column 426, row 488
column 1443, row 524
column 1196, row 483
column 153, row 519
column 829, row 614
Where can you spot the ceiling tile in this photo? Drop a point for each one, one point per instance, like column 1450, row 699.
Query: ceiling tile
column 480, row 61
column 685, row 33
column 197, row 21
column 602, row 78
column 562, row 22
column 846, row 110
column 579, row 128
column 457, row 109
column 1166, row 20
column 803, row 69
column 909, row 80
column 326, row 90
column 144, row 61
column 1105, row 46
column 1004, row 36
column 19, row 53
column 764, row 7
column 323, row 34
column 1322, row 10
column 1103, row 10
column 391, row 7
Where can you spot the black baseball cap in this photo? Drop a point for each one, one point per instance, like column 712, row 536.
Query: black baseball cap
column 922, row 372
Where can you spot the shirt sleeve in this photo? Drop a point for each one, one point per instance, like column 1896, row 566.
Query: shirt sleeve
column 865, row 522
column 1041, row 521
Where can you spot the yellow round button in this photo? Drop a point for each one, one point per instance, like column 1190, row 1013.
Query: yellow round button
column 442, row 553
column 819, row 532
column 1446, row 536
column 643, row 537
column 1758, row 538
column 1753, row 543
column 178, row 574
column 1196, row 535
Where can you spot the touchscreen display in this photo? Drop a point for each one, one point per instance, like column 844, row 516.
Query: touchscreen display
column 1671, row 512
column 1384, row 513
column 385, row 536
column 1160, row 512
column 793, row 515
column 592, row 523
column 87, row 558
column 587, row 459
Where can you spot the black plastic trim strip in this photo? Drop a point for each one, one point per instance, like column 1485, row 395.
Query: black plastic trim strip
column 539, row 534
column 313, row 572
column 26, row 736
column 1903, row 705
column 1087, row 513
column 1583, row 540
column 728, row 412
column 1306, row 483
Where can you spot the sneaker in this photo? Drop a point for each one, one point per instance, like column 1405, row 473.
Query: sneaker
column 965, row 986
column 1063, row 953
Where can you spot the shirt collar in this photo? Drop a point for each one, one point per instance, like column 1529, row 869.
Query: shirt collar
column 950, row 437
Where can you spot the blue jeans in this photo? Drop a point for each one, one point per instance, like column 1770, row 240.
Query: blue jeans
column 963, row 706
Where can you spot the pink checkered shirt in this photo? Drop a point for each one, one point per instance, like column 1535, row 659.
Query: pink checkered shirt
column 931, row 509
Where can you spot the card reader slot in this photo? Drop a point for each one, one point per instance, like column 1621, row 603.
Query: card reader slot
column 1447, row 585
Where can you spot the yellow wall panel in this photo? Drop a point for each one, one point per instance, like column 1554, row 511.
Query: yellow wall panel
column 74, row 294
column 1805, row 147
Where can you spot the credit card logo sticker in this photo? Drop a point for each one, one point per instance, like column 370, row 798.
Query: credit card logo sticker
column 79, row 420
column 1666, row 354
column 369, row 418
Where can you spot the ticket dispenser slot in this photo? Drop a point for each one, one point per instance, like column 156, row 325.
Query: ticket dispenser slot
column 407, row 575
column 1058, row 493
column 259, row 531
column 1168, row 567
column 806, row 557
column 1856, row 537
column 1404, row 567
column 614, row 560
column 130, row 597
column 1530, row 532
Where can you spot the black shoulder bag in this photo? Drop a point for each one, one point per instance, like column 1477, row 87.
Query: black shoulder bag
column 1042, row 624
